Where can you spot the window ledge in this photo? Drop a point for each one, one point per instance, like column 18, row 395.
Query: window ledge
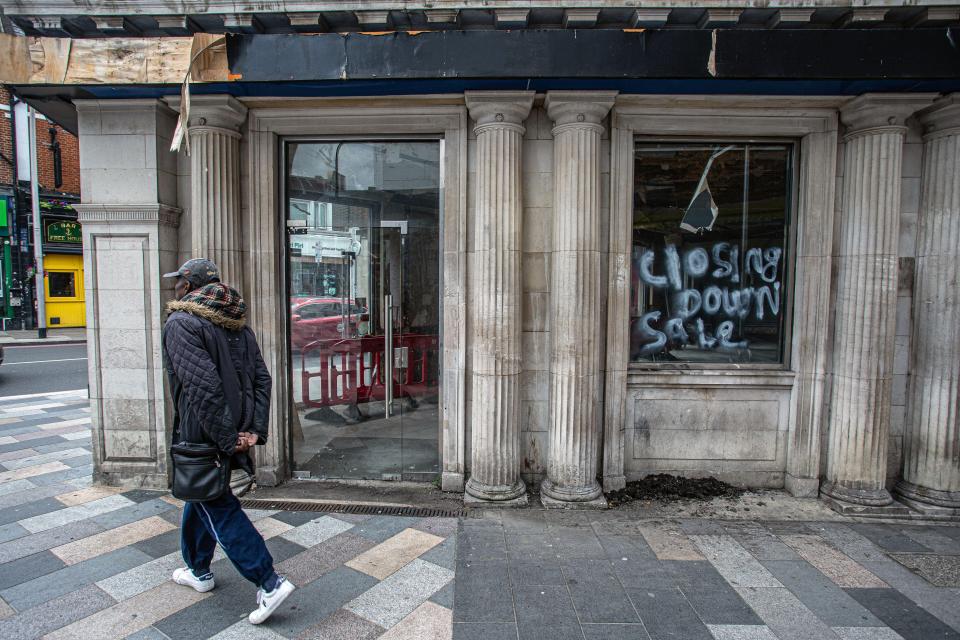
column 638, row 376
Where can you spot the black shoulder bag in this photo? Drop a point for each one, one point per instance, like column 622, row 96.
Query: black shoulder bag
column 200, row 473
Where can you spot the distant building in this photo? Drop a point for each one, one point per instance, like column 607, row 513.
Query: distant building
column 58, row 164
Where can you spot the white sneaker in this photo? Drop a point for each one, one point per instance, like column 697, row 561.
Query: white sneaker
column 185, row 577
column 269, row 601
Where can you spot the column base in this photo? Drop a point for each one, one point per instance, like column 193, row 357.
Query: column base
column 132, row 480
column 863, row 497
column 480, row 503
column 614, row 483
column 451, row 481
column 589, row 493
column 495, row 493
column 926, row 511
column 934, row 497
column 801, row 487
column 553, row 503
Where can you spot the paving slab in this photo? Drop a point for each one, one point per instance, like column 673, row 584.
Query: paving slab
column 902, row 614
column 28, row 568
column 821, row 595
column 59, row 612
column 666, row 614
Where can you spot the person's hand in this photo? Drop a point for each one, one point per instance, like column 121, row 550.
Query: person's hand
column 251, row 438
column 242, row 444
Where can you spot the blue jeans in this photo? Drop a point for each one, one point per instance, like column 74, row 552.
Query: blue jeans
column 222, row 521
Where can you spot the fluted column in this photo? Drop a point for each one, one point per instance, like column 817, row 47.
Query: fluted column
column 575, row 307
column 495, row 295
column 866, row 299
column 215, row 222
column 931, row 461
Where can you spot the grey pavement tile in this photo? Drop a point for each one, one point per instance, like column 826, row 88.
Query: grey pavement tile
column 144, row 577
column 937, row 539
column 29, row 444
column 524, row 521
column 597, row 594
column 867, row 633
column 888, row 538
column 29, row 509
column 821, row 595
column 15, row 486
column 444, row 597
column 78, row 463
column 667, row 615
column 764, row 545
column 380, row 528
column 741, row 632
column 480, row 593
column 902, row 614
column 342, row 625
column 533, row 572
column 388, row 602
column 444, row 554
column 150, row 633
column 317, row 531
column 484, row 631
column 614, row 632
column 38, row 621
column 282, row 550
column 26, row 569
column 626, row 546
column 31, row 493
column 519, row 547
column 850, row 542
column 549, row 632
column 36, row 542
column 699, row 527
column 786, row 616
column 937, row 569
column 12, row 531
column 243, row 630
column 786, row 527
column 76, row 513
column 695, row 573
column 720, row 605
column 295, row 518
column 58, row 477
column 310, row 604
column 645, row 574
column 63, row 445
column 133, row 513
column 174, row 516
column 352, row 518
column 310, row 564
column 73, row 451
column 53, row 585
column 734, row 562
column 160, row 545
column 442, row 527
column 143, row 495
column 576, row 542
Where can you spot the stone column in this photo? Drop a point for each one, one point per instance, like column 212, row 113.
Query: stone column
column 495, row 296
column 129, row 217
column 866, row 299
column 577, row 294
column 931, row 461
column 215, row 222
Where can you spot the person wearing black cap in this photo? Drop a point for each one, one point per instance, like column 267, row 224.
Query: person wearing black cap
column 221, row 396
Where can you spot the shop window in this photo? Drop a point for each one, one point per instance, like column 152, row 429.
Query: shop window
column 62, row 285
column 710, row 252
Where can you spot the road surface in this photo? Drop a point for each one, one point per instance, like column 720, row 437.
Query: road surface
column 43, row 369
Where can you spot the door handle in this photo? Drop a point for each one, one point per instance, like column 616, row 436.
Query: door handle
column 388, row 355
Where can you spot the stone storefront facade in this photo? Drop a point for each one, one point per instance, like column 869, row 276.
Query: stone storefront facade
column 574, row 345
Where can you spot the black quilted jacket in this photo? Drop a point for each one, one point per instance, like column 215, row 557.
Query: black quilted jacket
column 219, row 383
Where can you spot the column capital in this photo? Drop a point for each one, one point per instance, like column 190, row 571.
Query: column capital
column 508, row 107
column 217, row 111
column 942, row 116
column 882, row 110
column 570, row 107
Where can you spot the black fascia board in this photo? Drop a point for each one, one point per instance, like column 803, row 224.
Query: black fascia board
column 562, row 53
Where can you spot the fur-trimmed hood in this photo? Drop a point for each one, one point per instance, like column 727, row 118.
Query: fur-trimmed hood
column 220, row 304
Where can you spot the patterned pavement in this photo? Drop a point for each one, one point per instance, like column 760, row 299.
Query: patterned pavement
column 85, row 562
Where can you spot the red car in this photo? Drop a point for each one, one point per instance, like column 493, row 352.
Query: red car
column 323, row 319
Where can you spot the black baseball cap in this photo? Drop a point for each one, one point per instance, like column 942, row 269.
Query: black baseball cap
column 198, row 271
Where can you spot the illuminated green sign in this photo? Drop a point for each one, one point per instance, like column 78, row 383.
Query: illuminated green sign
column 64, row 232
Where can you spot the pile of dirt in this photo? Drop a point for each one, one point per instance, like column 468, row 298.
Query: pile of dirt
column 664, row 487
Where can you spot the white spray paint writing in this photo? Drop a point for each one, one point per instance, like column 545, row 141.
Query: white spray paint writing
column 724, row 298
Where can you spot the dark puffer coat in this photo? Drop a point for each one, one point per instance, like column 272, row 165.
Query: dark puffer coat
column 219, row 382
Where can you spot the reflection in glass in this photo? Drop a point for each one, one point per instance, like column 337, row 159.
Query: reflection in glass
column 709, row 252
column 364, row 277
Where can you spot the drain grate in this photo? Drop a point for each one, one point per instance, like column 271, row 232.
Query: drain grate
column 359, row 509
